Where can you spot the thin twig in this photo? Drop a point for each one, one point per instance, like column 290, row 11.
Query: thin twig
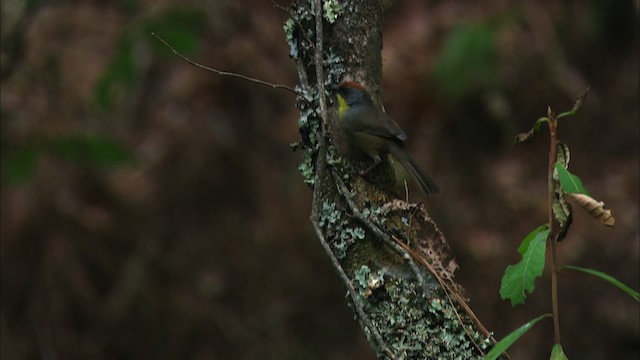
column 357, row 303
column 318, row 61
column 448, row 291
column 319, row 177
column 409, row 254
column 227, row 73
column 320, row 170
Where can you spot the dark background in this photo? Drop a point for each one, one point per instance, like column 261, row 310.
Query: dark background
column 153, row 210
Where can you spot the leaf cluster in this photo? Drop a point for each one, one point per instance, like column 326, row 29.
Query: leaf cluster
column 564, row 188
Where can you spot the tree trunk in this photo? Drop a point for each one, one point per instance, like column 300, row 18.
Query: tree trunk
column 390, row 255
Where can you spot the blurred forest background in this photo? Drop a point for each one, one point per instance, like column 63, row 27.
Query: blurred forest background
column 151, row 209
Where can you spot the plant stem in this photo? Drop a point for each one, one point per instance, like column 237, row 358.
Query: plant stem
column 552, row 226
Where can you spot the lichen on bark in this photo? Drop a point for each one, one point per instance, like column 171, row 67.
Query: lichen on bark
column 390, row 255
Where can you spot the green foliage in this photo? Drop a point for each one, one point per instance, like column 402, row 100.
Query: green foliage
column 520, row 277
column 178, row 26
column 121, row 71
column 468, row 60
column 563, row 185
column 540, row 231
column 508, row 340
column 91, row 150
column 19, row 164
column 88, row 151
column 607, row 278
column 570, row 183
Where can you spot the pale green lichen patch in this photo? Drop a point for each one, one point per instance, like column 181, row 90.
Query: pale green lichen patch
column 415, row 325
column 332, row 10
column 310, row 120
column 338, row 230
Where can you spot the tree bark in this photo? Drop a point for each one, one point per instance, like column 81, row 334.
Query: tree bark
column 391, row 256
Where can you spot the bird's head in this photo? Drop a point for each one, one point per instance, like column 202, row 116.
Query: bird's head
column 350, row 94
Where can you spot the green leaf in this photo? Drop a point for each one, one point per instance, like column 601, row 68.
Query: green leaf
column 540, row 231
column 508, row 340
column 91, row 150
column 468, row 59
column 557, row 353
column 19, row 165
column 608, row 278
column 520, row 278
column 120, row 73
column 570, row 183
column 179, row 27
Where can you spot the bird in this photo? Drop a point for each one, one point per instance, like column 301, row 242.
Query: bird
column 375, row 133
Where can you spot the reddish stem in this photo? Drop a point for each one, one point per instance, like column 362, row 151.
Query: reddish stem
column 552, row 229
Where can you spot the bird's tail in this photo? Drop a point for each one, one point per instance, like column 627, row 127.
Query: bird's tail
column 423, row 180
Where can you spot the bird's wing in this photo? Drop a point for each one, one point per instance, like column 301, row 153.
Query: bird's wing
column 374, row 122
column 393, row 127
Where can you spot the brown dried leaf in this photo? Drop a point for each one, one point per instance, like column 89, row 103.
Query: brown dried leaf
column 563, row 214
column 428, row 241
column 525, row 138
column 594, row 208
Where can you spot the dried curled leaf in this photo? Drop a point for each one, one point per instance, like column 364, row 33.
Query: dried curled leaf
column 525, row 138
column 563, row 156
column 562, row 211
column 594, row 208
column 529, row 136
column 577, row 104
column 428, row 240
column 563, row 214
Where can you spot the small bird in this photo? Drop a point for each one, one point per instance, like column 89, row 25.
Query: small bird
column 374, row 132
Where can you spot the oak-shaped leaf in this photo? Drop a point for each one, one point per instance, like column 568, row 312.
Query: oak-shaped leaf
column 520, row 278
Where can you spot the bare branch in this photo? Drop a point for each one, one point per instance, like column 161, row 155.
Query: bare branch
column 357, row 303
column 226, row 73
